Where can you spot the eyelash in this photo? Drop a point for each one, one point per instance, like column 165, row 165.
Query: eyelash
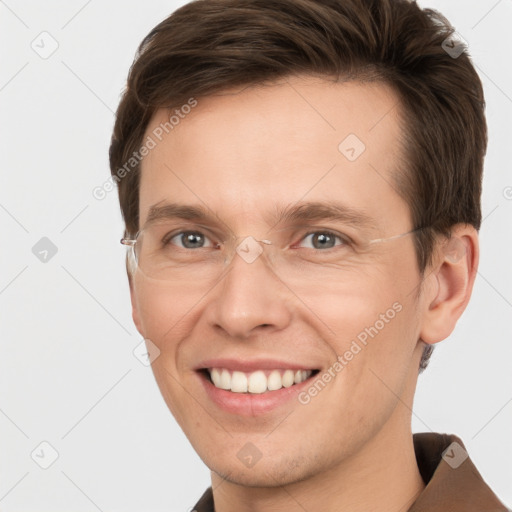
column 344, row 239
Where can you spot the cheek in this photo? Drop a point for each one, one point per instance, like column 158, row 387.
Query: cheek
column 359, row 312
column 166, row 318
column 373, row 330
column 164, row 314
column 375, row 362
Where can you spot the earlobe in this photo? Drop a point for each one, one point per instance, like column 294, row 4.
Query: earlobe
column 453, row 275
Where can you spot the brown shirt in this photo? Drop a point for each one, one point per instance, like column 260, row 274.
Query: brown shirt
column 453, row 483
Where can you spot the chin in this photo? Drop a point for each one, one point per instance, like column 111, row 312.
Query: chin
column 270, row 473
column 258, row 478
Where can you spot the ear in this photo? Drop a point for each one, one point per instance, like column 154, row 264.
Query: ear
column 449, row 283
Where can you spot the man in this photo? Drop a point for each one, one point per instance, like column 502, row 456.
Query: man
column 300, row 182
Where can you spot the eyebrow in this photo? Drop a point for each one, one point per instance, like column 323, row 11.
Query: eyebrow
column 296, row 213
column 322, row 211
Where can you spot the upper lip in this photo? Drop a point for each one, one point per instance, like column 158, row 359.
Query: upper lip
column 252, row 365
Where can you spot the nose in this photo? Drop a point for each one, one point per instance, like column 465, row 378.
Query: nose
column 250, row 298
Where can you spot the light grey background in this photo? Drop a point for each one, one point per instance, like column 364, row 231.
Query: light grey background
column 68, row 375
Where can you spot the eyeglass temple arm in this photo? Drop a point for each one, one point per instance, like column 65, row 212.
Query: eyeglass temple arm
column 377, row 240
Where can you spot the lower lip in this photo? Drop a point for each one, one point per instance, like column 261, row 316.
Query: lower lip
column 252, row 404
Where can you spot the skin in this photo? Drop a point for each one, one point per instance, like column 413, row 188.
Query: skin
column 241, row 153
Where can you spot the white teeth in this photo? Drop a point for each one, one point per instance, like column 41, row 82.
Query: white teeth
column 258, row 381
column 239, row 382
column 225, row 380
column 288, row 378
column 274, row 381
column 215, row 375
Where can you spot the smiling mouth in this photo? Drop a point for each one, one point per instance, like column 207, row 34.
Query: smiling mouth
column 257, row 382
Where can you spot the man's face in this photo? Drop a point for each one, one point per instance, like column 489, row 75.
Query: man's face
column 243, row 155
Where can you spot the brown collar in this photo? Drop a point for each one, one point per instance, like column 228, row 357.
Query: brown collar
column 452, row 481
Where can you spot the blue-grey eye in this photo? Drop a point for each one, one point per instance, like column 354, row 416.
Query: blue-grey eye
column 323, row 240
column 191, row 240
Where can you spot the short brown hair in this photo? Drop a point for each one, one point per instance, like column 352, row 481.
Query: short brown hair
column 208, row 46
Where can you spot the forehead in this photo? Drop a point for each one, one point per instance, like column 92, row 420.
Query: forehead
column 246, row 151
